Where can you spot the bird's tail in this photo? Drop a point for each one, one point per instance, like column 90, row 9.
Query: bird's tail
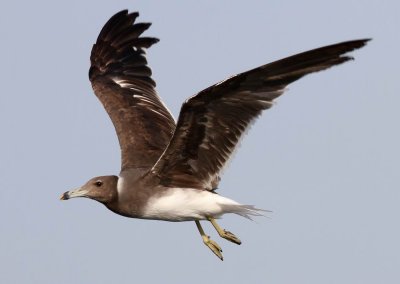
column 246, row 211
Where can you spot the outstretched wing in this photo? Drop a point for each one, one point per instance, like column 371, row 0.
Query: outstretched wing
column 122, row 81
column 211, row 123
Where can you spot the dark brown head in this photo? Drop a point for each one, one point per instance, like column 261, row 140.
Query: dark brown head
column 102, row 189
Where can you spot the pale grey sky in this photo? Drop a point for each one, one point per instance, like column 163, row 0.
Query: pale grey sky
column 325, row 159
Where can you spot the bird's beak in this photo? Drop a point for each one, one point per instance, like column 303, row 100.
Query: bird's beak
column 79, row 192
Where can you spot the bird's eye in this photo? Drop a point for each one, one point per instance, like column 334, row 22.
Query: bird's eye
column 98, row 183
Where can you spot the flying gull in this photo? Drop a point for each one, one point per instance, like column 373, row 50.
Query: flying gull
column 170, row 170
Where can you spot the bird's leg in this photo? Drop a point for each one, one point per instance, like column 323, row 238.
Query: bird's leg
column 213, row 246
column 223, row 233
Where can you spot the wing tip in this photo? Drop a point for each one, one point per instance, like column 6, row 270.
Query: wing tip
column 358, row 43
column 120, row 39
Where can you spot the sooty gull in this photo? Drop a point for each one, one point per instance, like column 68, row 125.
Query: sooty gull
column 169, row 170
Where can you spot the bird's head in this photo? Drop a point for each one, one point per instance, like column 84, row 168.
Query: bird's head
column 102, row 189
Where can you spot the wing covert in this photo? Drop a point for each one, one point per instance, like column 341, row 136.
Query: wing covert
column 211, row 123
column 122, row 82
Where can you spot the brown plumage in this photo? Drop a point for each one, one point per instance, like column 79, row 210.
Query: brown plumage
column 211, row 123
column 122, row 81
column 170, row 172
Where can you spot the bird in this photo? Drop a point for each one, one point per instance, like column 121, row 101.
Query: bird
column 170, row 170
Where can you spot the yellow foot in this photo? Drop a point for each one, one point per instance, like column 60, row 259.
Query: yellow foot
column 213, row 246
column 224, row 233
column 230, row 237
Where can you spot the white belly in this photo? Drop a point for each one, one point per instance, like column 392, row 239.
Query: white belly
column 185, row 204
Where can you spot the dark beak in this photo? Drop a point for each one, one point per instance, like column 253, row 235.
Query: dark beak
column 65, row 196
column 78, row 192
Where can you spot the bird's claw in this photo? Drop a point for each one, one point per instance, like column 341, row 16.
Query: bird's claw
column 213, row 246
column 230, row 237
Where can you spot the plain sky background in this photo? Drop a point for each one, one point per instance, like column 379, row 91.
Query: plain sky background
column 325, row 159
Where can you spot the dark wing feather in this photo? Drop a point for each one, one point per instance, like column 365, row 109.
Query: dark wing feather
column 122, row 81
column 211, row 123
